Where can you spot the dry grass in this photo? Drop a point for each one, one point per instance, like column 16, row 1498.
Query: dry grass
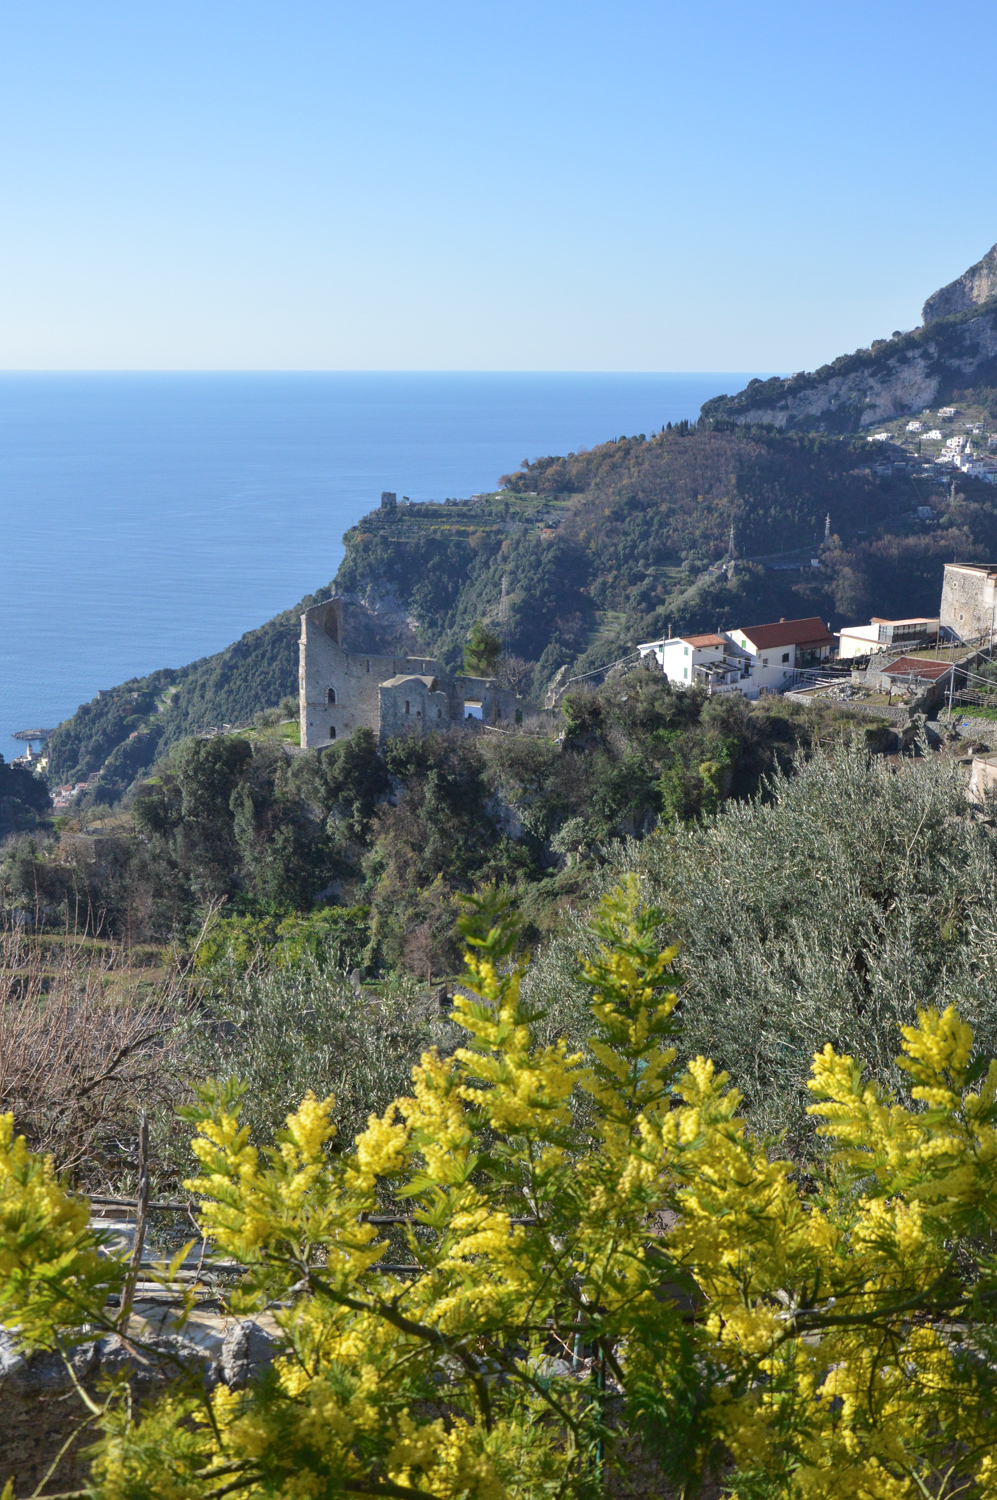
column 81, row 1052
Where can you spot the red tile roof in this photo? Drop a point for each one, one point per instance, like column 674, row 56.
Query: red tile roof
column 809, row 632
column 908, row 665
column 700, row 641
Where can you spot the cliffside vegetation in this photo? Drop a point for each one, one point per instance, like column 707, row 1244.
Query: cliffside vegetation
column 22, row 798
column 953, row 359
column 575, row 560
column 374, row 846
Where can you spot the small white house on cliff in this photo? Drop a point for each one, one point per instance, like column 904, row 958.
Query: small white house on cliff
column 887, row 635
column 744, row 660
column 709, row 661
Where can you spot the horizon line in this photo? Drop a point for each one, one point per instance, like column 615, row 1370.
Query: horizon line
column 308, row 370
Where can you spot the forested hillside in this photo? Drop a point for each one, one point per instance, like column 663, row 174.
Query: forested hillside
column 388, row 837
column 601, row 549
column 579, row 557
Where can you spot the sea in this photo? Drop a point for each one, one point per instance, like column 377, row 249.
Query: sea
column 147, row 520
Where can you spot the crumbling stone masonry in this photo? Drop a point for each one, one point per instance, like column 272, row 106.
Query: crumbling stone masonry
column 341, row 691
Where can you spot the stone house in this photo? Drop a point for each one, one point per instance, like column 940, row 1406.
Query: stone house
column 930, row 680
column 969, row 600
column 341, row 691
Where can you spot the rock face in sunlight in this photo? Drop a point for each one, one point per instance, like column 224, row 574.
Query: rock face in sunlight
column 971, row 289
column 953, row 354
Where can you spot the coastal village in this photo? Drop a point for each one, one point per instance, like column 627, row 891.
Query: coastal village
column 939, row 445
column 921, row 659
column 892, row 668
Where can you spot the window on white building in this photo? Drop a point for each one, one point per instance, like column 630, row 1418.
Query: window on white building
column 332, row 731
column 765, row 661
column 330, row 696
column 785, row 656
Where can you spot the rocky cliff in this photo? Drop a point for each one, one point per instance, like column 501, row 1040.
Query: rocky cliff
column 970, row 290
column 955, row 351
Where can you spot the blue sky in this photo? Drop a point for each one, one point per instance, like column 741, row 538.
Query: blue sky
column 535, row 186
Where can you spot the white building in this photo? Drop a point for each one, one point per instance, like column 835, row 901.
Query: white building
column 914, row 426
column 743, row 661
column 708, row 661
column 934, row 436
column 977, row 468
column 885, row 635
column 776, row 651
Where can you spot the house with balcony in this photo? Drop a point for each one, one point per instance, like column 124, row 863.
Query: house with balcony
column 710, row 661
column 887, row 635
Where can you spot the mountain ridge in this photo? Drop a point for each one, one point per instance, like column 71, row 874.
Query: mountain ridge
column 970, row 290
column 952, row 354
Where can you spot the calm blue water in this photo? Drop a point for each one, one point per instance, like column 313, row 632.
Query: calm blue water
column 147, row 520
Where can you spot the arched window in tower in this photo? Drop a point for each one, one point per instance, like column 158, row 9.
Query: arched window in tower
column 332, row 731
column 330, row 696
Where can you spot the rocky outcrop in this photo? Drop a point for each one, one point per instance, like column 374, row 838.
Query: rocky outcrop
column 971, row 289
column 955, row 351
column 379, row 621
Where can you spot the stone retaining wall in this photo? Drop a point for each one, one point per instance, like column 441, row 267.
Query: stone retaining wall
column 40, row 1409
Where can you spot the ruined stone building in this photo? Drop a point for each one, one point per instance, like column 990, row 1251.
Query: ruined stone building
column 342, row 690
column 969, row 600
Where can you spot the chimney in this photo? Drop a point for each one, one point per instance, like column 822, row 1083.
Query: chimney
column 782, row 619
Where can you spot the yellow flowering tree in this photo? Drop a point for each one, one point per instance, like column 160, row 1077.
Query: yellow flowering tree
column 594, row 1259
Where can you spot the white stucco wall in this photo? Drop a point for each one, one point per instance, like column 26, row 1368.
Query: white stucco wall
column 771, row 668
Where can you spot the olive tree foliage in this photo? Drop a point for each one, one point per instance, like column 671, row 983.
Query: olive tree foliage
column 853, row 893
column 283, row 1031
